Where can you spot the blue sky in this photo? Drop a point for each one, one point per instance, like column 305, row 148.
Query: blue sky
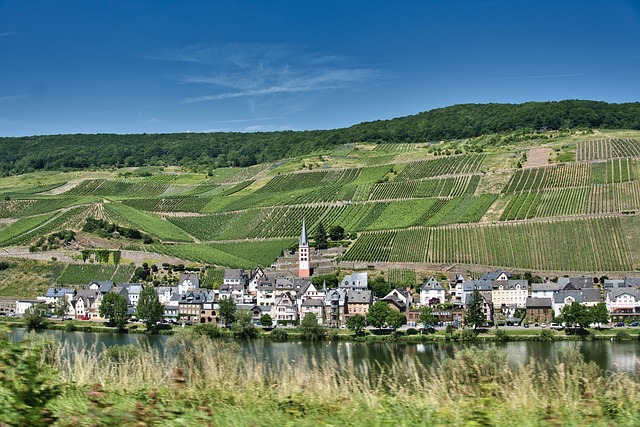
column 143, row 66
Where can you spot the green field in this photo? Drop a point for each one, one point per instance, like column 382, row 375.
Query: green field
column 407, row 202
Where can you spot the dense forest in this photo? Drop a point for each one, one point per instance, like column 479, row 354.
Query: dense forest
column 211, row 150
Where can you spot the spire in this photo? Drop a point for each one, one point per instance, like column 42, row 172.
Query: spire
column 304, row 241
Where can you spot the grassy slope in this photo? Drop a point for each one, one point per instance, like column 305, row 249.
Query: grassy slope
column 391, row 187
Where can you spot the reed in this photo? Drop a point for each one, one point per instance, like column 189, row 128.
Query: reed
column 199, row 381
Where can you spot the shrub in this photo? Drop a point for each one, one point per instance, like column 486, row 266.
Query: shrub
column 468, row 335
column 623, row 336
column 208, row 329
column 122, row 353
column 412, row 331
column 501, row 335
column 546, row 335
column 279, row 334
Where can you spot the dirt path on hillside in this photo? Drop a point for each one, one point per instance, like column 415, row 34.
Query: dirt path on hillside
column 138, row 257
column 537, row 157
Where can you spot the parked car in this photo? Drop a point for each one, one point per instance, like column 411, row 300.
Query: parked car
column 619, row 325
column 635, row 324
column 526, row 325
column 557, row 326
column 543, row 325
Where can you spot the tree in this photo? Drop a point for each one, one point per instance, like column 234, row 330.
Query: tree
column 321, row 238
column 227, row 310
column 243, row 326
column 576, row 314
column 599, row 313
column 356, row 323
column 150, row 310
column 473, row 314
column 378, row 314
column 310, row 330
column 34, row 316
column 426, row 316
column 114, row 308
column 266, row 320
column 395, row 319
column 379, row 287
column 336, row 233
column 60, row 307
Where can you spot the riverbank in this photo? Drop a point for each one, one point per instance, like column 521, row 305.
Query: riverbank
column 213, row 382
column 409, row 335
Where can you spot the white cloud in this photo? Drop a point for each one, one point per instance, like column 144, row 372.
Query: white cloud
column 260, row 69
column 550, row 76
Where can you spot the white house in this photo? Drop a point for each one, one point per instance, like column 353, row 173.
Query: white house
column 544, row 290
column 187, row 282
column 266, row 293
column 165, row 293
column 587, row 296
column 432, row 292
column 355, row 281
column 509, row 293
column 285, row 309
column 22, row 305
column 623, row 303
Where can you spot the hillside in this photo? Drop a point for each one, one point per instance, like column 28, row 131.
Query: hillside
column 546, row 202
column 203, row 152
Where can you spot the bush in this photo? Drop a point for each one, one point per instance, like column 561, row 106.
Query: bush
column 623, row 336
column 70, row 327
column 468, row 335
column 412, row 331
column 502, row 336
column 546, row 335
column 122, row 353
column 279, row 334
column 208, row 329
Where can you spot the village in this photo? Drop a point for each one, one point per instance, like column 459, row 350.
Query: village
column 288, row 298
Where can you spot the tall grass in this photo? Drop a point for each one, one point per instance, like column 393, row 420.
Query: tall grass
column 199, row 381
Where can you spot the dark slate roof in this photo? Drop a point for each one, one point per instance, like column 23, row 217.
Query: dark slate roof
column 482, row 285
column 493, row 275
column 303, row 241
column 392, row 299
column 591, row 295
column 360, row 297
column 233, row 274
column 615, row 293
column 570, row 283
column 510, row 284
column 632, row 281
column 312, row 302
column 432, row 286
column 539, row 302
column 545, row 287
column 103, row 287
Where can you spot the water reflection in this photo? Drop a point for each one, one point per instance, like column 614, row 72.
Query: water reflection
column 614, row 356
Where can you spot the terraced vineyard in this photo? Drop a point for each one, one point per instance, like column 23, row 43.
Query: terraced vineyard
column 539, row 246
column 398, row 202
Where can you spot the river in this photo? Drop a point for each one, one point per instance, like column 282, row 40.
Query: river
column 622, row 356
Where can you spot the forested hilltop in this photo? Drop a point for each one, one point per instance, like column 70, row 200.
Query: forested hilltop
column 205, row 151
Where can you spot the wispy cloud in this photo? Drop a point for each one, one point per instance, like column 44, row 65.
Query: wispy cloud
column 10, row 98
column 9, row 33
column 254, row 70
column 549, row 76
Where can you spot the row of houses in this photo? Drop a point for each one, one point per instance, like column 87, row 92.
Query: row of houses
column 503, row 296
column 288, row 299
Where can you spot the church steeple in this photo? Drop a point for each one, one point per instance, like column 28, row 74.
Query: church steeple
column 304, row 263
column 304, row 240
